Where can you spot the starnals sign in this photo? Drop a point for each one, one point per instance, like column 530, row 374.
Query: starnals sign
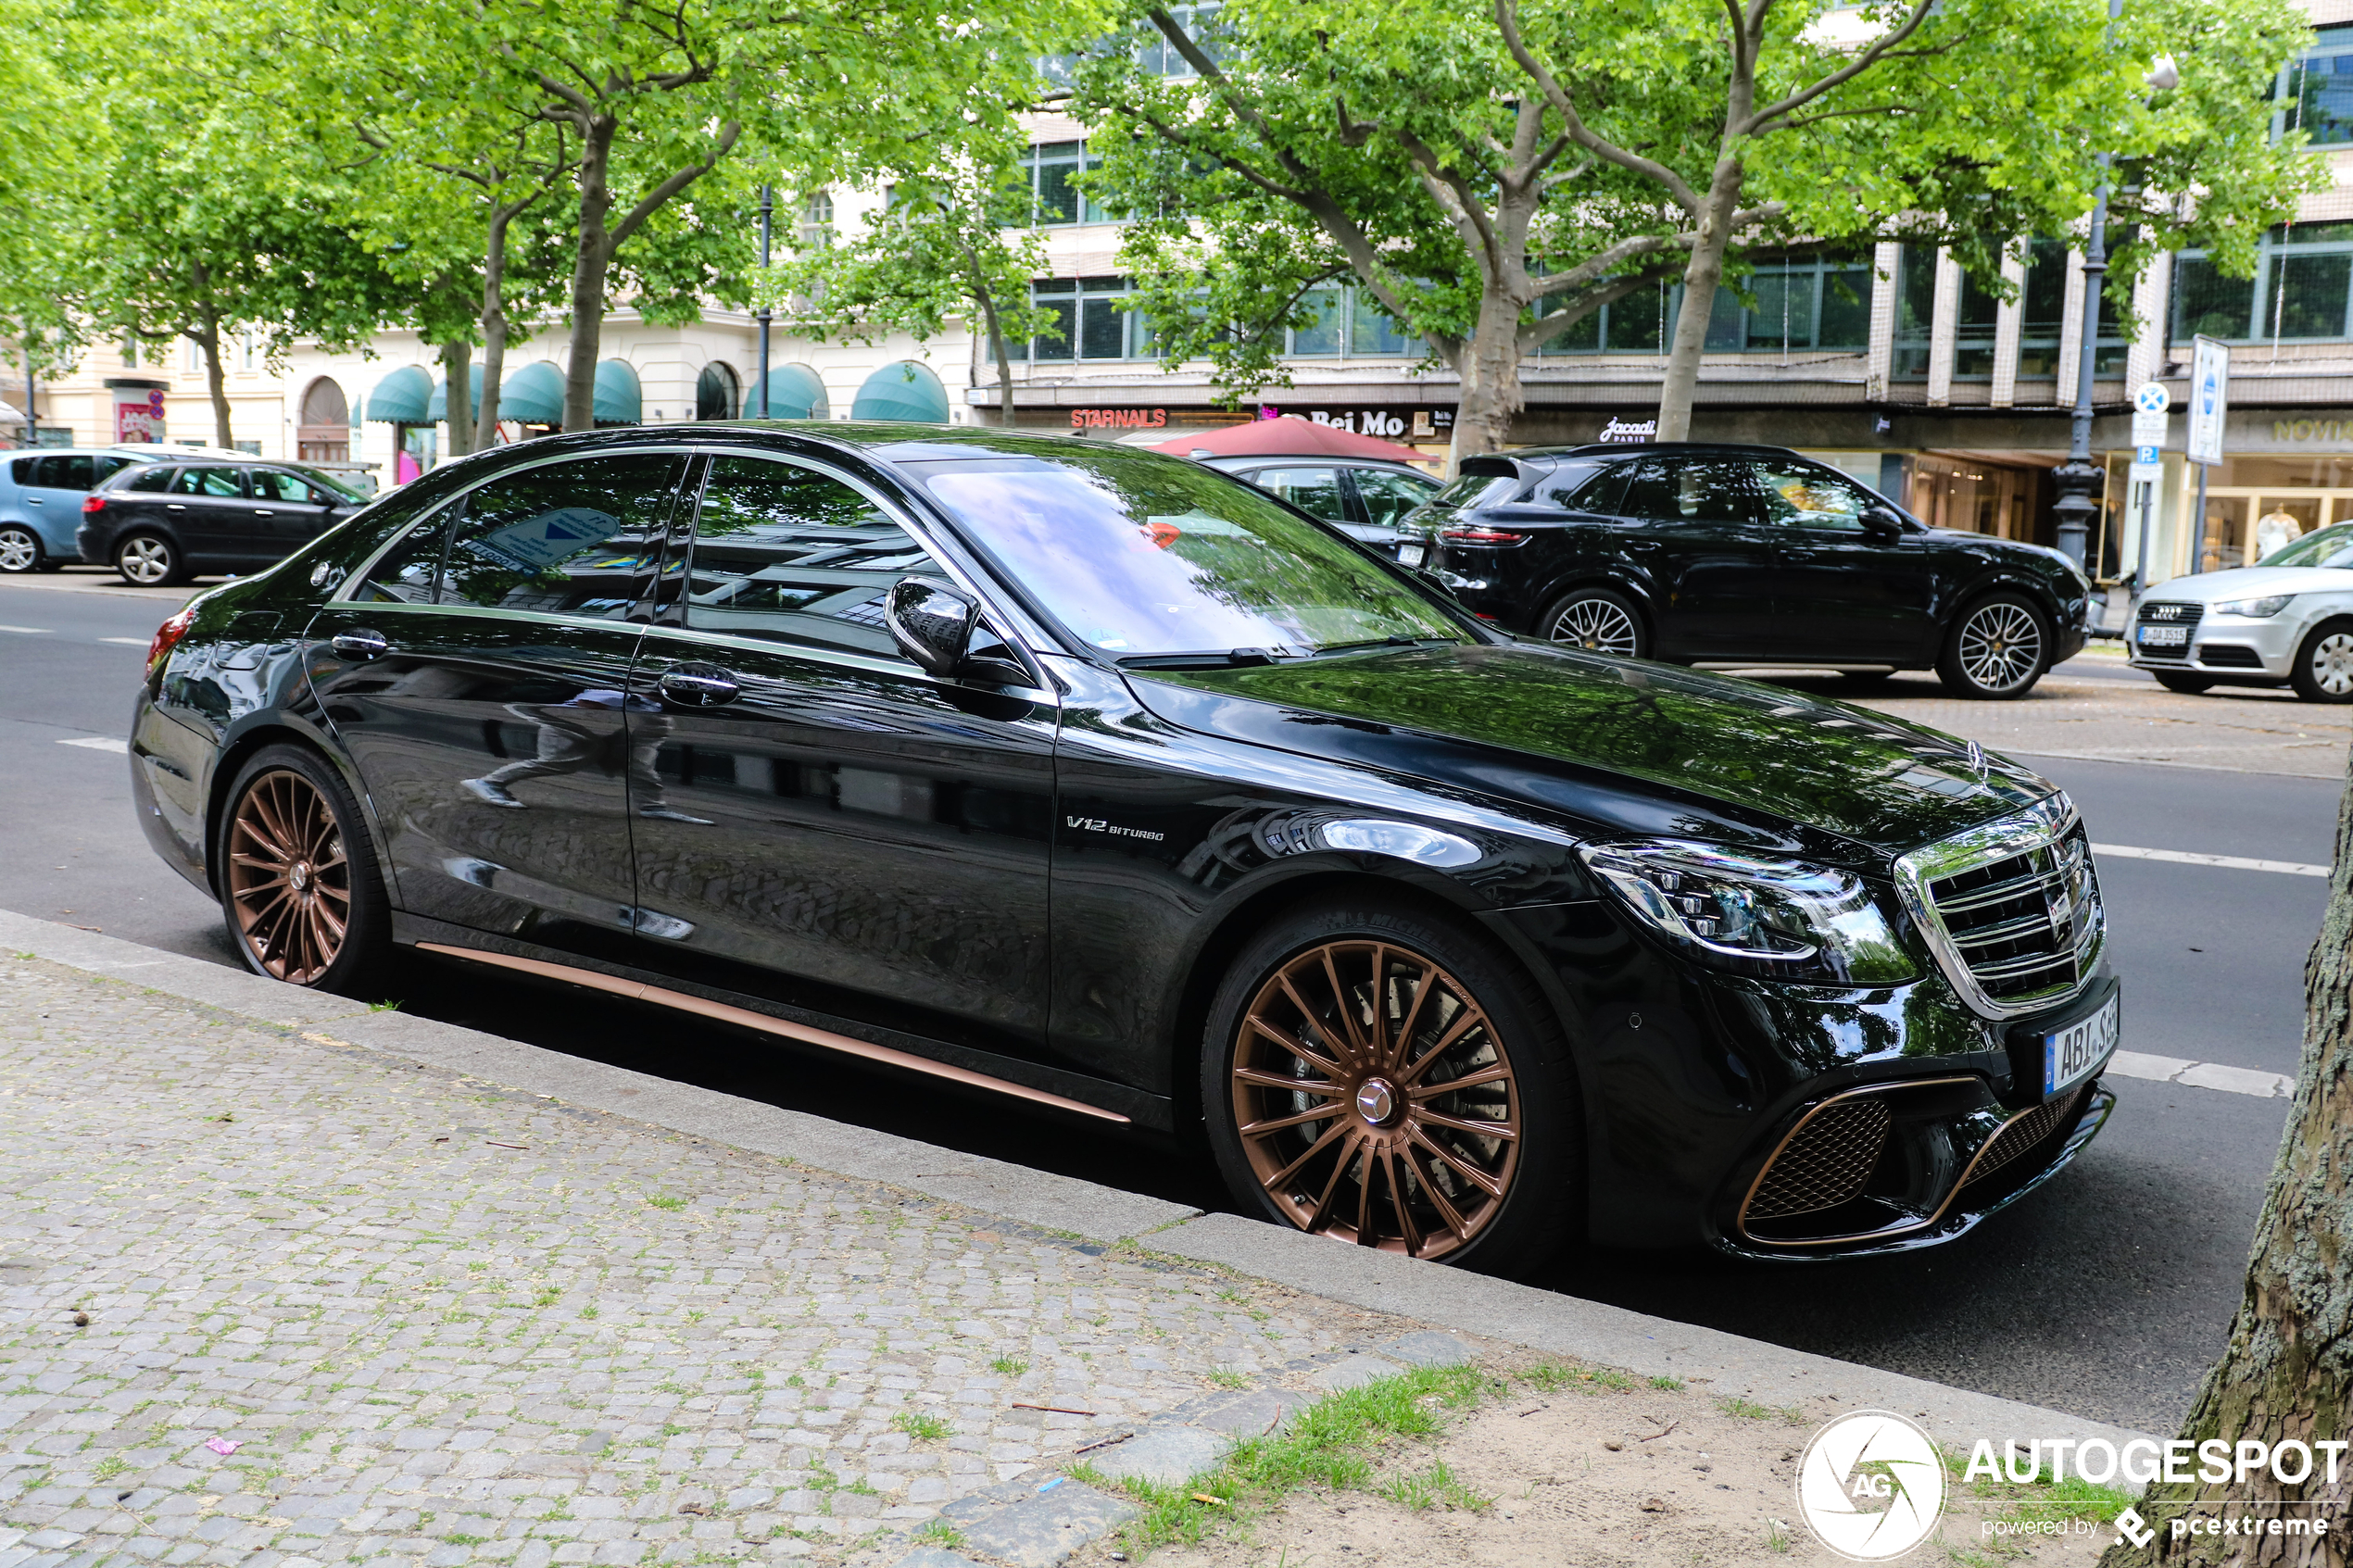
column 1871, row 1486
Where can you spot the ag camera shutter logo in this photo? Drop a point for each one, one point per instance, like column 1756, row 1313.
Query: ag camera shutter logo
column 1871, row 1485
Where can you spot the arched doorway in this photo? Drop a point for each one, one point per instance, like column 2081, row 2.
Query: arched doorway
column 322, row 435
column 715, row 393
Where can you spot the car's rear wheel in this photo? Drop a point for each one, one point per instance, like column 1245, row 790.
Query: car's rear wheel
column 2182, row 682
column 1598, row 620
column 20, row 549
column 299, row 886
column 1997, row 649
column 1380, row 1076
column 2323, row 667
column 149, row 560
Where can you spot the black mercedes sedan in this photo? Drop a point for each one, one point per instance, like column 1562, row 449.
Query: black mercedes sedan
column 1748, row 556
column 1098, row 780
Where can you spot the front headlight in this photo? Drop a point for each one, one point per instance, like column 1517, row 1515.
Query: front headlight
column 2255, row 609
column 1785, row 918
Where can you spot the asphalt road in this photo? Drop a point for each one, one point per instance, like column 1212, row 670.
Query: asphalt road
column 2106, row 1293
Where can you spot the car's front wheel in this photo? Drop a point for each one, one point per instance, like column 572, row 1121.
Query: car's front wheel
column 1997, row 649
column 1382, row 1076
column 20, row 549
column 1598, row 620
column 299, row 887
column 2323, row 667
column 2181, row 681
column 149, row 560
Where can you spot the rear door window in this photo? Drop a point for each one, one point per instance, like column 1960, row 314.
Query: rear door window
column 1315, row 491
column 577, row 538
column 1388, row 497
column 1688, row 490
column 154, row 481
column 277, row 484
column 66, row 472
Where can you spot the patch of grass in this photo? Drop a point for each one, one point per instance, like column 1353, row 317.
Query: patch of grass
column 588, row 1311
column 1327, row 1445
column 549, row 1297
column 666, row 1201
column 940, row 1533
column 384, row 1007
column 1776, row 1536
column 465, row 1540
column 1551, row 1378
column 1749, row 1409
column 1009, row 1366
column 1423, row 1489
column 921, row 1427
column 109, row 1467
column 1672, row 1384
column 1225, row 1379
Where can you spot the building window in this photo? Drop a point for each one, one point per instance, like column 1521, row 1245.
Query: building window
column 2042, row 310
column 1975, row 312
column 1630, row 325
column 2303, row 279
column 1089, row 322
column 816, row 229
column 2315, row 91
column 1149, row 44
column 1056, row 200
column 1348, row 321
column 1915, row 312
column 1808, row 302
column 244, row 350
column 715, row 393
column 130, row 351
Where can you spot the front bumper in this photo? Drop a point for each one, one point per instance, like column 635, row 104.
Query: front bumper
column 2228, row 648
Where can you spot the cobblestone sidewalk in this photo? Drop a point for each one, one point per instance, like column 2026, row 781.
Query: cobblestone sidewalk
column 266, row 1299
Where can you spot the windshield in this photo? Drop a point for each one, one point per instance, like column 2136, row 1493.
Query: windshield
column 1139, row 554
column 2330, row 546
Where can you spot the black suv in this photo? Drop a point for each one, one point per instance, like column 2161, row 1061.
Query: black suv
column 161, row 523
column 1747, row 555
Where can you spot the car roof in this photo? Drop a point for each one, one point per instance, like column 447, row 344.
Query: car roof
column 1641, row 448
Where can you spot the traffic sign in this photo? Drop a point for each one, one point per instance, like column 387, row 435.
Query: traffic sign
column 2148, row 456
column 2148, row 429
column 2152, row 398
column 2209, row 398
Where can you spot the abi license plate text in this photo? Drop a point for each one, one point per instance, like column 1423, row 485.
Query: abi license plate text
column 2164, row 636
column 2079, row 1048
column 1410, row 555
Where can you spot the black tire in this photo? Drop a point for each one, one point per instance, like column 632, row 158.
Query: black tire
column 1997, row 648
column 1309, row 1176
column 289, row 807
column 1598, row 620
column 20, row 551
column 2184, row 681
column 148, row 559
column 2323, row 667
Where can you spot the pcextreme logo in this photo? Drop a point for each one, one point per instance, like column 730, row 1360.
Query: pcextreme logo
column 1871, row 1485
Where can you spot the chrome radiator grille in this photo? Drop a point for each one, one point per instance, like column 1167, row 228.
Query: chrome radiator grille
column 2012, row 909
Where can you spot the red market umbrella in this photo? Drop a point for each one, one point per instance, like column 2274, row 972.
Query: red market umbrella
column 1288, row 436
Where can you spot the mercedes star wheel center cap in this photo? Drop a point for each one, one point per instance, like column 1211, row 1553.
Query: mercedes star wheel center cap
column 299, row 878
column 1376, row 1101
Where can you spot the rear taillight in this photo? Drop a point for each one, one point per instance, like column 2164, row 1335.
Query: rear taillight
column 1480, row 536
column 94, row 504
column 168, row 635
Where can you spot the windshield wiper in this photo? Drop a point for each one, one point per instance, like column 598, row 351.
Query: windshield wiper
column 1208, row 660
column 1388, row 641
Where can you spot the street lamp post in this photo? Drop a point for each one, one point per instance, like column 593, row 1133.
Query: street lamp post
column 767, row 215
column 2076, row 477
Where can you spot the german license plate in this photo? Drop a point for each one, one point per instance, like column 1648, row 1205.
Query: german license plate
column 1411, row 554
column 2164, row 636
column 2072, row 1052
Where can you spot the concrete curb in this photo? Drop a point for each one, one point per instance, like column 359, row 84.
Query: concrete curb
column 1493, row 1309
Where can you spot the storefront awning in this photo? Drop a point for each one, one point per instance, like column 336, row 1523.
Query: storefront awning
column 795, row 392
column 437, row 410
column 905, row 391
column 401, row 399
column 534, row 396
column 619, row 402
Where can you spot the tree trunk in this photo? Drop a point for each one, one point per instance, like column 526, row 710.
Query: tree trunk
column 998, row 351
column 1680, row 384
column 1487, row 366
column 493, row 327
column 591, row 259
column 457, row 367
column 2287, row 1369
column 216, row 381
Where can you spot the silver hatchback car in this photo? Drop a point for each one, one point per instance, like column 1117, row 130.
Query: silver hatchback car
column 2286, row 622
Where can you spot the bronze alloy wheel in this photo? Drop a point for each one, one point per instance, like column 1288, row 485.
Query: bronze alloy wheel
column 289, row 879
column 1375, row 1100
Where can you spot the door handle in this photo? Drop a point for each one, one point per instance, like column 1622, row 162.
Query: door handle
column 360, row 643
column 699, row 685
column 262, row 511
column 33, row 500
column 173, row 507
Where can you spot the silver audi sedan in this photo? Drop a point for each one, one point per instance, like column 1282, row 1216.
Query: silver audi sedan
column 2286, row 622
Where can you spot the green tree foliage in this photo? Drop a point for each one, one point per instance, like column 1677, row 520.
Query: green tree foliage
column 47, row 141
column 954, row 241
column 1490, row 176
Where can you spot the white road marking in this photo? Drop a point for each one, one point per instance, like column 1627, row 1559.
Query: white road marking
column 129, row 642
column 2201, row 1075
column 2227, row 862
column 28, row 630
column 99, row 743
